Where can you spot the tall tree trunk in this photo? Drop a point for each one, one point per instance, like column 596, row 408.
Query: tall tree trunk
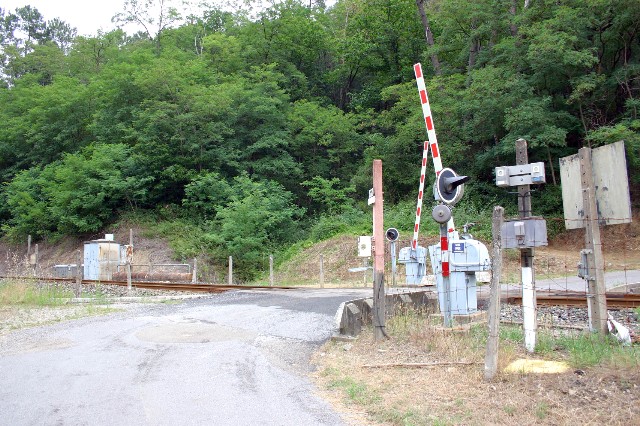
column 474, row 47
column 513, row 28
column 553, row 169
column 435, row 62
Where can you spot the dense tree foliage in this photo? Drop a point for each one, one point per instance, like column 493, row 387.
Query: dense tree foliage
column 250, row 124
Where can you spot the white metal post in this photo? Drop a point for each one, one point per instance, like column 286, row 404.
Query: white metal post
column 529, row 319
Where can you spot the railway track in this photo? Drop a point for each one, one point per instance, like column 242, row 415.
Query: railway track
column 193, row 287
column 614, row 300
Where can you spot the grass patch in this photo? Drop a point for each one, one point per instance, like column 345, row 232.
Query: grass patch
column 30, row 294
column 404, row 417
column 588, row 350
column 380, row 380
column 355, row 391
column 542, row 410
column 578, row 348
column 509, row 409
column 97, row 294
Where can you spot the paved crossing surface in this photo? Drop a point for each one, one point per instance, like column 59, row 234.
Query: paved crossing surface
column 232, row 359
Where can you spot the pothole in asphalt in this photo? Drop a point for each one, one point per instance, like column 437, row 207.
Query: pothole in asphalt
column 192, row 333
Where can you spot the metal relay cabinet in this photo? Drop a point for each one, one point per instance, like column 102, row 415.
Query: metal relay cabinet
column 466, row 257
column 101, row 259
column 415, row 262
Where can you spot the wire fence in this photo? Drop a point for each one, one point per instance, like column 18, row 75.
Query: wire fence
column 335, row 264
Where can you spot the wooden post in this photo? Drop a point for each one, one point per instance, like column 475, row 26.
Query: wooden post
column 321, row 271
column 365, row 264
column 129, row 255
column 596, row 299
column 109, row 272
column 378, row 254
column 194, row 276
column 491, row 356
column 35, row 266
column 129, row 283
column 271, row 270
column 79, row 275
column 526, row 257
column 29, row 250
column 230, row 270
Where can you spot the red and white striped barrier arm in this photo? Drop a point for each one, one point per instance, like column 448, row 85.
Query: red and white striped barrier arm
column 432, row 143
column 416, row 228
column 428, row 119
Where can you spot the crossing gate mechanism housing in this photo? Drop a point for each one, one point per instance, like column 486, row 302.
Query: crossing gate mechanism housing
column 454, row 260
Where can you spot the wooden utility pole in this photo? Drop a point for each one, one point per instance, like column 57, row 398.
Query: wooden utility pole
column 596, row 299
column 491, row 356
column 378, row 254
column 526, row 257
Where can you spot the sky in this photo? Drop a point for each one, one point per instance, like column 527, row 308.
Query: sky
column 86, row 15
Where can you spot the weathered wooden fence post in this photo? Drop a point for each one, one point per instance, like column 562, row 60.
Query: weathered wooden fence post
column 321, row 271
column 271, row 270
column 194, row 276
column 491, row 357
column 596, row 299
column 79, row 275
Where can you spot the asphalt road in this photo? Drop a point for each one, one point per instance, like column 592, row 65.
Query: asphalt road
column 239, row 358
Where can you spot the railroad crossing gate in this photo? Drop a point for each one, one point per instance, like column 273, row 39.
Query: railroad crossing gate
column 455, row 260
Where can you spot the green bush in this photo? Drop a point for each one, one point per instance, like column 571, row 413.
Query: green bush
column 77, row 194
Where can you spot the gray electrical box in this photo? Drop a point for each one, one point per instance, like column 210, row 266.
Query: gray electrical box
column 524, row 233
column 583, row 266
column 415, row 262
column 466, row 257
column 65, row 271
column 525, row 174
column 502, row 176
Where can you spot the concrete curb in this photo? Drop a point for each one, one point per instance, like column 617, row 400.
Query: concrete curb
column 354, row 314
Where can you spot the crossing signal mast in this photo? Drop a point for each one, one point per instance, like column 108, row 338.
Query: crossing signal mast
column 453, row 260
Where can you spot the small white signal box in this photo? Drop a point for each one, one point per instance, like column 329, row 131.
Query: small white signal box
column 364, row 246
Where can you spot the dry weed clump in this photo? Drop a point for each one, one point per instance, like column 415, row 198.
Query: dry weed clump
column 381, row 384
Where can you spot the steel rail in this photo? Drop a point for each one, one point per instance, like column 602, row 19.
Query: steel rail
column 576, row 299
column 197, row 287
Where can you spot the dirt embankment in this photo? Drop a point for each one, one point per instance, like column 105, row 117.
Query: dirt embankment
column 148, row 249
column 620, row 243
